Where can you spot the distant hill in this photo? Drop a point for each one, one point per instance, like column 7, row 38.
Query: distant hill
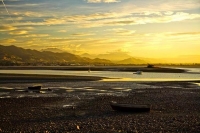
column 132, row 61
column 88, row 56
column 55, row 50
column 12, row 55
column 117, row 57
column 114, row 56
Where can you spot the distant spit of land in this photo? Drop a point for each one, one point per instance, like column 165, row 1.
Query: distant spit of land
column 97, row 68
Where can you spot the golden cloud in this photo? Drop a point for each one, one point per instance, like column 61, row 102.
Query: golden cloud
column 122, row 32
column 7, row 41
column 19, row 32
column 179, row 16
column 36, row 35
column 62, row 31
column 102, row 1
column 7, row 28
column 185, row 33
column 82, row 34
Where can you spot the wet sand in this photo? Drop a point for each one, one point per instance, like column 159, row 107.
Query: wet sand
column 24, row 78
column 175, row 107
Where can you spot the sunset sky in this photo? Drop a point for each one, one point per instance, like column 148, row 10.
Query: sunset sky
column 141, row 28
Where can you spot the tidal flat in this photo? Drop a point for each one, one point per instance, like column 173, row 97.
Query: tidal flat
column 78, row 106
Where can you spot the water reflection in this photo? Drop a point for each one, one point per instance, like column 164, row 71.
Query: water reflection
column 116, row 76
column 150, row 79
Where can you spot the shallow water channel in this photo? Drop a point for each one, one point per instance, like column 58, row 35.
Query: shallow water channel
column 192, row 74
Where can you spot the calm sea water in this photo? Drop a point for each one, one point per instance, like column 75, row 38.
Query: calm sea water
column 192, row 74
column 85, row 90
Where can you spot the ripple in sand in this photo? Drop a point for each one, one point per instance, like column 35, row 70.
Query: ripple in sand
column 70, row 90
column 23, row 90
column 78, row 88
column 103, row 90
column 197, row 84
column 4, row 93
column 21, row 96
column 126, row 90
column 6, row 97
column 43, row 92
column 87, row 87
column 90, row 89
column 6, row 88
column 118, row 88
column 69, row 106
column 66, row 88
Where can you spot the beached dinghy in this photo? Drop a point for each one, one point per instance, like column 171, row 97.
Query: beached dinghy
column 34, row 88
column 124, row 107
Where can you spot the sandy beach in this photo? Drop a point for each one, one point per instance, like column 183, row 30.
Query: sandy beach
column 84, row 106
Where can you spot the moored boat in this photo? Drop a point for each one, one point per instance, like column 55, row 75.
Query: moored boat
column 139, row 72
column 125, row 107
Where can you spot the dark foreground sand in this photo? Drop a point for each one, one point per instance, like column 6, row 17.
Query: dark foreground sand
column 175, row 108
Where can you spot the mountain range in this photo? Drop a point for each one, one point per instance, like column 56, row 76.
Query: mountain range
column 118, row 57
column 12, row 55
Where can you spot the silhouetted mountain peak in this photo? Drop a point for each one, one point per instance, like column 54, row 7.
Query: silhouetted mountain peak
column 132, row 61
column 10, row 55
column 115, row 56
column 55, row 50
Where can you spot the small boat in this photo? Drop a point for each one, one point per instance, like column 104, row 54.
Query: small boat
column 139, row 72
column 124, row 107
column 34, row 88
